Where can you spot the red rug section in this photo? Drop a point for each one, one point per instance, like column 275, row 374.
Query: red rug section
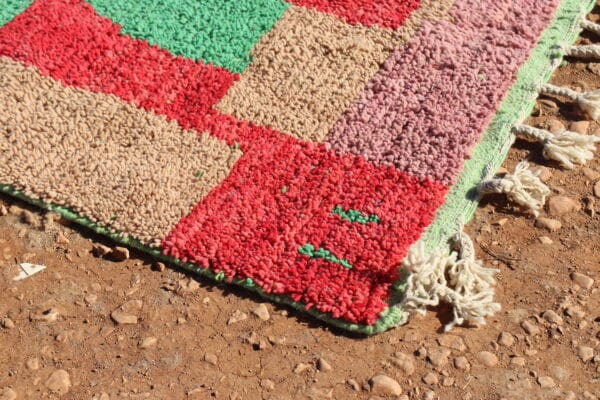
column 280, row 194
column 384, row 13
column 250, row 226
column 67, row 40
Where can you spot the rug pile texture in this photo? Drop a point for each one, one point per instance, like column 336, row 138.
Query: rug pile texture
column 298, row 148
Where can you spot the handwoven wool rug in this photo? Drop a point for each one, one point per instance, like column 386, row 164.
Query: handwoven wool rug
column 317, row 152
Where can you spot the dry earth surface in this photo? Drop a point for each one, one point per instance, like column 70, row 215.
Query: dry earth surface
column 91, row 327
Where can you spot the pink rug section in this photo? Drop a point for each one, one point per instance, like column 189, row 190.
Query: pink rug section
column 428, row 106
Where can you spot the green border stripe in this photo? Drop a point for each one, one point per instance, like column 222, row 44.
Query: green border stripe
column 11, row 8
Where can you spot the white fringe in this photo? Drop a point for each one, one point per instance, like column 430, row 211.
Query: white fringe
column 586, row 51
column 566, row 147
column 587, row 101
column 590, row 26
column 524, row 187
column 455, row 278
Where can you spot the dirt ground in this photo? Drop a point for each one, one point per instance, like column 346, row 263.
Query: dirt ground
column 197, row 340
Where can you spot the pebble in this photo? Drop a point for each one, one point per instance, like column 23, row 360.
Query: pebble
column 404, row 362
column 7, row 323
column 597, row 189
column 262, row 312
column 561, row 205
column 101, row 396
column 590, row 173
column 148, row 342
column 431, row 378
column 32, row 364
column 582, row 280
column 530, row 328
column 558, row 373
column 50, row 315
column 585, row 353
column 100, row 250
column 554, row 125
column 236, row 317
column 353, row 384
column 570, row 396
column 438, row 357
column 59, row 382
column 453, row 342
column 61, row 239
column 552, row 317
column 461, row 363
column 301, row 367
column 429, row 395
column 506, row 339
column 3, row 210
column 267, row 384
column 29, row 217
column 544, row 173
column 158, row 266
column 323, row 365
column 8, row 394
column 211, row 358
column 580, row 127
column 575, row 311
column 384, row 385
column 447, row 381
column 123, row 318
column 552, row 225
column 546, row 382
column 91, row 298
column 519, row 361
column 119, row 253
column 545, row 240
column 488, row 359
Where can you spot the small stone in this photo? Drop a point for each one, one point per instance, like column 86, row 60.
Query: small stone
column 431, row 378
column 546, row 382
column 488, row 359
column 545, row 240
column 501, row 222
column 181, row 320
column 262, row 312
column 59, row 382
column 353, row 384
column 429, row 395
column 552, row 225
column 236, row 317
column 575, row 311
column 158, row 266
column 100, row 250
column 8, row 394
column 101, row 396
column 123, row 318
column 119, row 253
column 506, row 339
column 7, row 323
column 519, row 361
column 453, row 342
column 461, row 363
column 448, row 381
column 580, row 127
column 554, row 125
column 301, row 367
column 582, row 280
column 570, row 396
column 438, row 357
column 29, row 217
column 148, row 342
column 33, row 364
column 552, row 317
column 323, row 365
column 61, row 239
column 91, row 298
column 405, row 363
column 267, row 384
column 544, row 173
column 558, row 373
column 585, row 353
column 15, row 210
column 211, row 358
column 50, row 315
column 590, row 173
column 530, row 328
column 561, row 205
column 384, row 385
column 597, row 189
column 3, row 210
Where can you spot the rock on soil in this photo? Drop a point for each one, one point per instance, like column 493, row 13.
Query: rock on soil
column 59, row 382
column 582, row 280
column 488, row 359
column 8, row 394
column 561, row 205
column 549, row 224
column 384, row 385
column 452, row 342
column 262, row 312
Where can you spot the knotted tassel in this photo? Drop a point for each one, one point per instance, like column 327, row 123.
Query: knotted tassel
column 566, row 147
column 455, row 278
column 590, row 26
column 524, row 187
column 587, row 101
column 585, row 51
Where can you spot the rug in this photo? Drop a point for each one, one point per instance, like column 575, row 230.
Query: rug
column 324, row 154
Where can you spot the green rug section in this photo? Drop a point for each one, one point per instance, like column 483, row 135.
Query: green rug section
column 11, row 8
column 221, row 32
column 491, row 151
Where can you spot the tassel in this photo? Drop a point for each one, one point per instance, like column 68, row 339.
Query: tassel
column 456, row 278
column 566, row 147
column 585, row 51
column 588, row 101
column 523, row 187
column 590, row 26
